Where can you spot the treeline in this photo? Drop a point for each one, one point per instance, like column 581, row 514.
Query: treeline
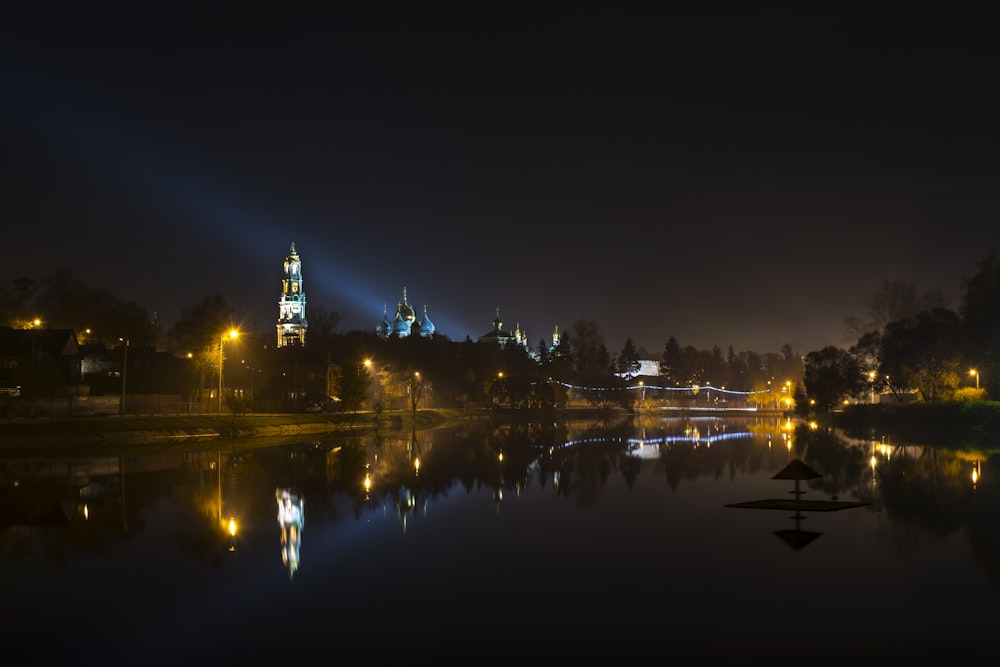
column 913, row 347
column 908, row 345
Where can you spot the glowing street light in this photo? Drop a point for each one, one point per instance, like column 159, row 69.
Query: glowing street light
column 975, row 372
column 232, row 335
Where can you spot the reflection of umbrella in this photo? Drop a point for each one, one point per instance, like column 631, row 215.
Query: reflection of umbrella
column 797, row 538
column 797, row 470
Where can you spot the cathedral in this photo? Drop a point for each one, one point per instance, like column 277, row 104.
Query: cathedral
column 503, row 338
column 292, row 323
column 404, row 322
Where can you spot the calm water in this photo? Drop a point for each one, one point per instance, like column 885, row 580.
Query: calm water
column 569, row 543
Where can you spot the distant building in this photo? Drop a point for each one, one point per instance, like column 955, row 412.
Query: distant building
column 404, row 322
column 292, row 323
column 39, row 362
column 503, row 338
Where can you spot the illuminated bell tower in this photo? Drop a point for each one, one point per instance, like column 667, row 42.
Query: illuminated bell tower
column 292, row 305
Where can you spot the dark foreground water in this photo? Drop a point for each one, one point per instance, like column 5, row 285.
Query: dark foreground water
column 567, row 544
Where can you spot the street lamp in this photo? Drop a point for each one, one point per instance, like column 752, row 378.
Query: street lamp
column 232, row 335
column 124, row 341
column 976, row 373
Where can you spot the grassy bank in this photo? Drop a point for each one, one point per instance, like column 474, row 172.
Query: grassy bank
column 961, row 424
column 112, row 434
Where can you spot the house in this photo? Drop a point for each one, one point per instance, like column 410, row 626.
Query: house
column 37, row 363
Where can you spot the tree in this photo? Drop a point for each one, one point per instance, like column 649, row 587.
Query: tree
column 893, row 301
column 831, row 375
column 591, row 354
column 924, row 353
column 354, row 386
column 628, row 360
column 198, row 333
column 322, row 330
column 70, row 304
column 671, row 361
column 980, row 312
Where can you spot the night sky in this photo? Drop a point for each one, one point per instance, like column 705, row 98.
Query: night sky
column 739, row 179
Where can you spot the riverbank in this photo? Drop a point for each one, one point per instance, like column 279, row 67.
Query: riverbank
column 113, row 434
column 954, row 424
column 969, row 424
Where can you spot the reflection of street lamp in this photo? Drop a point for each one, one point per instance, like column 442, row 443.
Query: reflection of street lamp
column 233, row 333
column 976, row 373
column 642, row 386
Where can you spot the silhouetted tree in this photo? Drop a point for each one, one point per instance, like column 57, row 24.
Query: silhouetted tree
column 831, row 375
column 924, row 353
column 980, row 311
column 628, row 360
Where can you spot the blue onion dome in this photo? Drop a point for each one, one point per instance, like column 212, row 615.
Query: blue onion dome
column 384, row 328
column 426, row 326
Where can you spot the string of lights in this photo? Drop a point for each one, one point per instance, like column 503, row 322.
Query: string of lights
column 651, row 387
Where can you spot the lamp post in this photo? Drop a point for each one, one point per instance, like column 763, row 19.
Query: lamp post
column 233, row 333
column 976, row 373
column 124, row 373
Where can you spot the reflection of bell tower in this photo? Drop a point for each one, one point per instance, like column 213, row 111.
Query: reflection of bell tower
column 292, row 305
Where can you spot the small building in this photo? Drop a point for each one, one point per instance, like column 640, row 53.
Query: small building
column 39, row 363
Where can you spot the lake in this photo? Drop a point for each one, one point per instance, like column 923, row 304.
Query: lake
column 581, row 543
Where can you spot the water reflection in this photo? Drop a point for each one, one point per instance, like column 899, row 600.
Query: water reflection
column 291, row 518
column 609, row 514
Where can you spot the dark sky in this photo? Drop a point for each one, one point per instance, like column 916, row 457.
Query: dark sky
column 729, row 178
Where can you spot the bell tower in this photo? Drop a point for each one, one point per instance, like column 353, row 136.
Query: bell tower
column 292, row 322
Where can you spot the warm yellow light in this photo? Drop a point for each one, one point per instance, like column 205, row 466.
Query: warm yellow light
column 232, row 527
column 233, row 334
column 416, row 463
column 368, row 482
column 368, row 363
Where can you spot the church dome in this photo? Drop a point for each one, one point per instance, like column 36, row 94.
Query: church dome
column 404, row 312
column 426, row 326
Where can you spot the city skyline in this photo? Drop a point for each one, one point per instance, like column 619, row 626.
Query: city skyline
column 741, row 179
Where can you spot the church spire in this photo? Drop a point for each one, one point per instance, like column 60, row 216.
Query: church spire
column 292, row 324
